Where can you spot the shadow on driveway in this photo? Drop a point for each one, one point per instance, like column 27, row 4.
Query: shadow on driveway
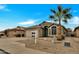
column 3, row 52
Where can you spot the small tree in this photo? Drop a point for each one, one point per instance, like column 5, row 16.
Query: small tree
column 59, row 15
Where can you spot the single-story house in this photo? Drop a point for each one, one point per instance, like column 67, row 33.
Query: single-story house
column 15, row 32
column 45, row 29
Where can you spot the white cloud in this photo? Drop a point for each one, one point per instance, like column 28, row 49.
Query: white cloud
column 29, row 22
column 4, row 7
column 4, row 26
column 74, row 20
column 49, row 21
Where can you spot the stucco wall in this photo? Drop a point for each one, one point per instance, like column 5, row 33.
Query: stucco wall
column 29, row 33
column 57, row 30
column 77, row 33
column 13, row 33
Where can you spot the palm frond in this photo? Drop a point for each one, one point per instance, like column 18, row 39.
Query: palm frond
column 63, row 14
column 51, row 17
column 58, row 14
column 53, row 11
column 65, row 11
column 68, row 16
column 65, row 20
column 55, row 20
column 59, row 8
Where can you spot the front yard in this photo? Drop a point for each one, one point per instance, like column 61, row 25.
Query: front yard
column 42, row 45
column 47, row 45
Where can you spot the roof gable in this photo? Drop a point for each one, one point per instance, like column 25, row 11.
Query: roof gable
column 76, row 28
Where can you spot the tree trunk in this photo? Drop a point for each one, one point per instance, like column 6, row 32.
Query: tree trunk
column 59, row 36
column 59, row 26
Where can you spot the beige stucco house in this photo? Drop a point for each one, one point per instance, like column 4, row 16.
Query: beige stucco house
column 15, row 32
column 76, row 31
column 45, row 29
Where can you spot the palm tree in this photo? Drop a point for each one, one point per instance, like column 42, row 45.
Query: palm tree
column 61, row 14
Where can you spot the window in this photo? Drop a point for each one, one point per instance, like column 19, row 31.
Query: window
column 67, row 44
column 33, row 32
column 33, row 35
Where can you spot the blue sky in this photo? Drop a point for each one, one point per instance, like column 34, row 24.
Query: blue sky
column 12, row 15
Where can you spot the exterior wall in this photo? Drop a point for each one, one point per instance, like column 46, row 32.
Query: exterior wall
column 57, row 30
column 77, row 33
column 50, row 30
column 29, row 33
column 13, row 33
column 69, row 34
column 40, row 32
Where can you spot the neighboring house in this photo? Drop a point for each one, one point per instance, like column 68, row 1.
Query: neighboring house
column 76, row 31
column 69, row 32
column 15, row 32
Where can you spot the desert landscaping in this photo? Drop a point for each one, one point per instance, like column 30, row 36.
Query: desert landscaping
column 42, row 46
column 12, row 47
column 46, row 45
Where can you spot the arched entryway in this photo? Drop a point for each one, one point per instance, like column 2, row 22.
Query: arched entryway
column 45, row 31
column 53, row 30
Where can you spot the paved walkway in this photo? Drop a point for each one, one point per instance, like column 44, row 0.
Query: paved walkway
column 13, row 47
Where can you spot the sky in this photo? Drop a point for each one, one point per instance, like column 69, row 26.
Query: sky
column 13, row 15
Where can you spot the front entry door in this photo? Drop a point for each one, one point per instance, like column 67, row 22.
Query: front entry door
column 45, row 31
